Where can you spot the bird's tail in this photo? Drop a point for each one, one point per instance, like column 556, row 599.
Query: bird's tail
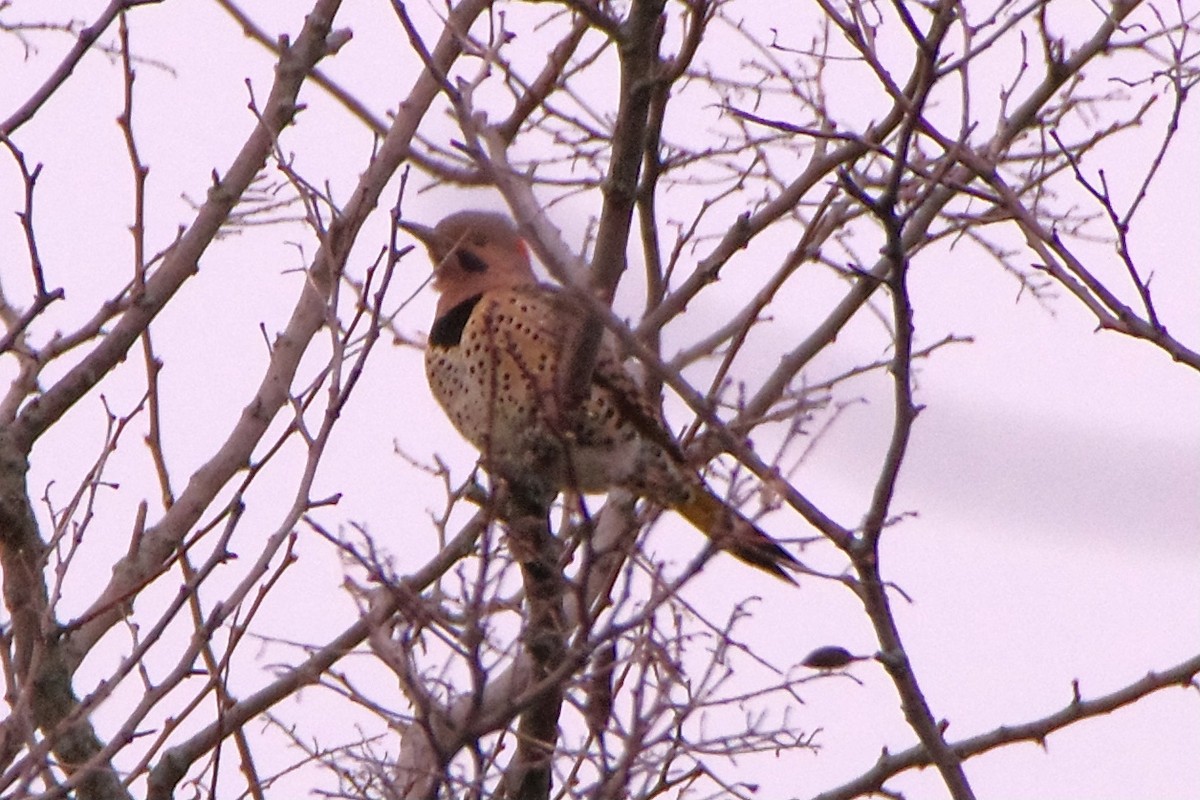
column 733, row 533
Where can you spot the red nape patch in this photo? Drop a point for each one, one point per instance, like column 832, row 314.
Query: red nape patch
column 524, row 248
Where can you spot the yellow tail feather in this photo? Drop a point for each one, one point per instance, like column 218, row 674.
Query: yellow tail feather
column 735, row 534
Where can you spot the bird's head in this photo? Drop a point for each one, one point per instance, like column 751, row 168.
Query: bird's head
column 473, row 252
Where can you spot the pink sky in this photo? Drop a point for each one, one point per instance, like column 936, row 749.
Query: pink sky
column 1055, row 469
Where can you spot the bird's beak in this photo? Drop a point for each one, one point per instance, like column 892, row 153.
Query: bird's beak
column 437, row 250
column 424, row 233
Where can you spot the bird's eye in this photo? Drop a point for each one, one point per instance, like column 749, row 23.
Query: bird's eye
column 471, row 262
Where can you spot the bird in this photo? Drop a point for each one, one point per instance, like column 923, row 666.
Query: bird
column 495, row 360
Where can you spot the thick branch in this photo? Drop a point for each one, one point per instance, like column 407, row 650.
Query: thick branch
column 49, row 662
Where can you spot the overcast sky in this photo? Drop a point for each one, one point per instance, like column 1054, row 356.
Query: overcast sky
column 1055, row 469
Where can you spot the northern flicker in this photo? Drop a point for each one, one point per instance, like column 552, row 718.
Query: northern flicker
column 495, row 361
